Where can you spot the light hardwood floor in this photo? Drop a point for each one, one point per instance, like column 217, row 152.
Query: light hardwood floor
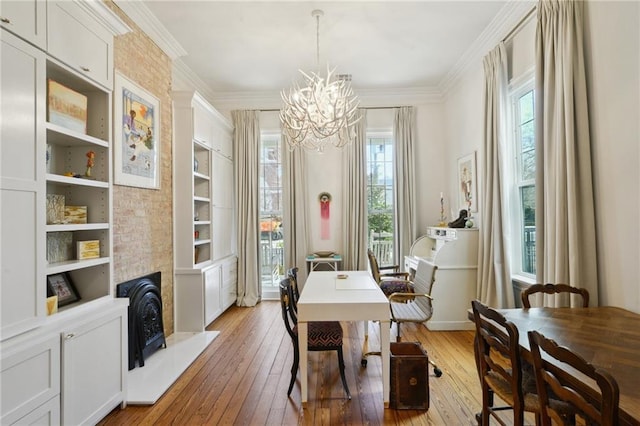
column 242, row 379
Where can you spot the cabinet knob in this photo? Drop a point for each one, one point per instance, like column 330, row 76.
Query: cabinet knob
column 85, row 69
column 69, row 336
column 5, row 20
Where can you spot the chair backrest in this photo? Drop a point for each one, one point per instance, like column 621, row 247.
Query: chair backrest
column 498, row 352
column 553, row 289
column 295, row 291
column 552, row 377
column 288, row 314
column 423, row 284
column 373, row 264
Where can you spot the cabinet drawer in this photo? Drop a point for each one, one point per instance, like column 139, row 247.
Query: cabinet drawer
column 26, row 19
column 76, row 39
column 229, row 272
column 30, row 377
column 47, row 414
column 229, row 295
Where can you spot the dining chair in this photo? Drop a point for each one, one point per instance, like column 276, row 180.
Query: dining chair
column 552, row 376
column 553, row 289
column 390, row 282
column 322, row 335
column 295, row 289
column 415, row 306
column 499, row 365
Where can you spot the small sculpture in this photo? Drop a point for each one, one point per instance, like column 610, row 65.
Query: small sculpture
column 90, row 162
column 460, row 221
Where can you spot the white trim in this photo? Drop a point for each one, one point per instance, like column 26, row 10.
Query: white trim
column 139, row 13
column 502, row 24
column 108, row 18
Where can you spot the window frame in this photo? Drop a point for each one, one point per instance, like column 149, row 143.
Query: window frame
column 386, row 135
column 518, row 88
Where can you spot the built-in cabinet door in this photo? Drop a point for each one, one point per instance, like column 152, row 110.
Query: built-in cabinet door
column 94, row 366
column 26, row 18
column 76, row 39
column 212, row 284
column 22, row 184
column 30, row 377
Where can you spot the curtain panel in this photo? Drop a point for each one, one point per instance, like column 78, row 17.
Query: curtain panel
column 354, row 202
column 565, row 213
column 246, row 148
column 404, row 136
column 494, row 272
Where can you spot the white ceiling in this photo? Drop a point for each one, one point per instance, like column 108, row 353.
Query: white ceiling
column 244, row 47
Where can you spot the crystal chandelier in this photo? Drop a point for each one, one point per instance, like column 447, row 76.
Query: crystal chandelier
column 322, row 112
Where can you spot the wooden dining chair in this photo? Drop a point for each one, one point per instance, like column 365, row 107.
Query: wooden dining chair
column 393, row 281
column 295, row 289
column 551, row 376
column 500, row 367
column 322, row 335
column 553, row 289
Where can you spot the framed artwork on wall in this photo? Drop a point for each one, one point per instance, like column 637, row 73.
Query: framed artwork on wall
column 136, row 135
column 467, row 183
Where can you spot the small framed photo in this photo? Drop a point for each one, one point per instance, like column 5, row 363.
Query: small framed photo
column 61, row 285
column 467, row 183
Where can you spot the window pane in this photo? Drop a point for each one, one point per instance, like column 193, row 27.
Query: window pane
column 526, row 107
column 527, row 136
column 528, row 199
column 528, row 165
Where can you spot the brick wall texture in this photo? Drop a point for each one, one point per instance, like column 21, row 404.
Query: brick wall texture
column 143, row 218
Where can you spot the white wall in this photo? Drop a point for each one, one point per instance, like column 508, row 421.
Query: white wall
column 612, row 42
column 613, row 69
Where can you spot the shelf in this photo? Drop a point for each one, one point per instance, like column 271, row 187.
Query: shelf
column 69, row 180
column 201, row 242
column 201, row 199
column 200, row 176
column 62, row 136
column 73, row 265
column 77, row 227
column 201, row 222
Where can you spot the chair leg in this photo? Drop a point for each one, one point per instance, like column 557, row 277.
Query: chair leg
column 342, row 376
column 294, row 368
column 398, row 332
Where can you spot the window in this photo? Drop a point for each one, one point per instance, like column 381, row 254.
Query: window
column 524, row 197
column 380, row 196
column 270, row 204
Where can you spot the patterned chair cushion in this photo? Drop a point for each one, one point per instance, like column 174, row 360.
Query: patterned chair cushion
column 389, row 287
column 323, row 334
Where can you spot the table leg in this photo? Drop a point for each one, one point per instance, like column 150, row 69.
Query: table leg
column 302, row 342
column 385, row 334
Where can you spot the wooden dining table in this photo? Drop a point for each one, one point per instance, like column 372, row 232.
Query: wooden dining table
column 607, row 337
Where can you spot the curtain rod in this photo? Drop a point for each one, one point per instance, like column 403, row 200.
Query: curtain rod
column 519, row 25
column 389, row 107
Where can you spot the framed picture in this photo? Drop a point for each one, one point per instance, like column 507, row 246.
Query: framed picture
column 136, row 135
column 66, row 107
column 60, row 285
column 467, row 183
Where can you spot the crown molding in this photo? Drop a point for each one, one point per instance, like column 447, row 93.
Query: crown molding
column 148, row 23
column 507, row 19
column 108, row 18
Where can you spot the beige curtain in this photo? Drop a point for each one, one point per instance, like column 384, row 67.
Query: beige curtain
column 295, row 214
column 494, row 275
column 404, row 136
column 246, row 146
column 565, row 223
column 354, row 202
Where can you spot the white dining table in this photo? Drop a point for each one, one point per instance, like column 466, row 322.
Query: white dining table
column 343, row 296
